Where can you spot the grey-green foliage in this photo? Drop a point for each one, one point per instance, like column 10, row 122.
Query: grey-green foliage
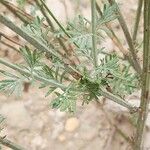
column 35, row 28
column 110, row 74
column 108, row 14
column 21, row 3
column 67, row 100
column 11, row 84
column 117, row 75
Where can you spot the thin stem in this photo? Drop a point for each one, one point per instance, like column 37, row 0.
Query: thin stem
column 10, row 144
column 116, row 40
column 145, row 96
column 50, row 24
column 36, row 43
column 137, row 19
column 124, row 27
column 27, row 18
column 118, row 100
column 9, row 45
column 52, row 15
column 57, row 22
column 94, row 39
column 27, row 73
column 10, row 39
column 24, row 17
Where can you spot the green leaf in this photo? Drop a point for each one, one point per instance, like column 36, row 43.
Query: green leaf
column 66, row 101
column 32, row 58
column 108, row 14
column 10, row 86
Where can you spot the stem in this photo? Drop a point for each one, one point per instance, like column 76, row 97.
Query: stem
column 10, row 144
column 52, row 15
column 57, row 22
column 50, row 24
column 27, row 73
column 94, row 39
column 24, row 17
column 10, row 39
column 137, row 20
column 118, row 100
column 36, row 43
column 124, row 27
column 116, row 40
column 9, row 45
column 145, row 96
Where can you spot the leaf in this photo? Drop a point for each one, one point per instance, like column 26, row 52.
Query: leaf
column 66, row 101
column 10, row 86
column 108, row 14
column 109, row 64
column 51, row 89
column 32, row 58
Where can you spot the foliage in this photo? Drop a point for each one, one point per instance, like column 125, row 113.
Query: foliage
column 53, row 65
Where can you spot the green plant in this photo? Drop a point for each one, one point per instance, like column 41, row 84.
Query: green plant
column 47, row 58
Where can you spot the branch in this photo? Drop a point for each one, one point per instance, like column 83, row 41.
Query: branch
column 137, row 20
column 10, row 144
column 145, row 96
column 116, row 40
column 118, row 100
column 27, row 73
column 124, row 27
column 36, row 43
column 94, row 39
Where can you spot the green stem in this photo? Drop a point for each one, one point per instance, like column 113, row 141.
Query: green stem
column 137, row 20
column 124, row 27
column 116, row 40
column 50, row 24
column 27, row 73
column 94, row 39
column 55, row 19
column 10, row 144
column 145, row 96
column 36, row 43
column 24, row 17
column 118, row 100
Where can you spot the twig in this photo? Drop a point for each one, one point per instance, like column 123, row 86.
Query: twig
column 94, row 40
column 118, row 100
column 10, row 46
column 37, row 44
column 145, row 96
column 50, row 24
column 10, row 144
column 137, row 19
column 116, row 40
column 27, row 73
column 24, row 17
column 10, row 39
column 55, row 19
column 124, row 27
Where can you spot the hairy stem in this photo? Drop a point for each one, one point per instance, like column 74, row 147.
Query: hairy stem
column 50, row 24
column 124, row 27
column 55, row 19
column 94, row 39
column 10, row 144
column 137, row 20
column 118, row 100
column 145, row 96
column 36, row 43
column 116, row 40
column 27, row 73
